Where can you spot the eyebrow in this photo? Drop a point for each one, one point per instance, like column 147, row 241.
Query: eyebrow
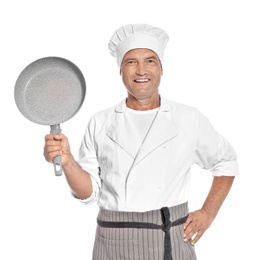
column 152, row 57
column 148, row 58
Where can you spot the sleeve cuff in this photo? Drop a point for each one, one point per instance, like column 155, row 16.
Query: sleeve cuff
column 226, row 168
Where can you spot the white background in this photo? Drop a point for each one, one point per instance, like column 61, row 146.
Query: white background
column 210, row 63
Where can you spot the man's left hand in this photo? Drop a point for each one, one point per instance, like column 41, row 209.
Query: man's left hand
column 197, row 223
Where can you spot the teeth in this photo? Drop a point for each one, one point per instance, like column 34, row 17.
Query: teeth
column 142, row 80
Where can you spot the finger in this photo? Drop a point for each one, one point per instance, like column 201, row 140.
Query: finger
column 48, row 137
column 51, row 155
column 190, row 228
column 189, row 225
column 58, row 137
column 52, row 146
column 52, row 143
column 190, row 232
column 197, row 237
column 188, row 221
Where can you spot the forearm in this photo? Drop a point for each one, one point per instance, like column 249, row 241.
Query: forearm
column 198, row 221
column 78, row 180
column 219, row 190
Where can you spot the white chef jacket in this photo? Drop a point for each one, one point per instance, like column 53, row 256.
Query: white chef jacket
column 158, row 174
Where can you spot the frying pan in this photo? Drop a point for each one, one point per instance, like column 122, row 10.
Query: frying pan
column 50, row 91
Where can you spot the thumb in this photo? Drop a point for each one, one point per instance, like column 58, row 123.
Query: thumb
column 57, row 137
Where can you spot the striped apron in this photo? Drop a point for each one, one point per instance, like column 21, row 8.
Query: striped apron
column 151, row 235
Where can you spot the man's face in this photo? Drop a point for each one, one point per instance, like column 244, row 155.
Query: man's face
column 141, row 73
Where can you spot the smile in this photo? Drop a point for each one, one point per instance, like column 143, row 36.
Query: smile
column 142, row 80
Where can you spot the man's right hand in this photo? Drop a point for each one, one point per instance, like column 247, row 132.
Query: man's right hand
column 57, row 145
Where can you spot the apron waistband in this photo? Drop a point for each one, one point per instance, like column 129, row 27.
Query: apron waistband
column 165, row 227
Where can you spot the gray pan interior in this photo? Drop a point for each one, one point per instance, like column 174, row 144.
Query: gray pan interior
column 50, row 91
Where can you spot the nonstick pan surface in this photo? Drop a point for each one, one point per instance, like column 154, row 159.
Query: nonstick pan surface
column 50, row 91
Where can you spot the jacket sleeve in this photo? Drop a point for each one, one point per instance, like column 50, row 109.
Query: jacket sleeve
column 213, row 151
column 88, row 161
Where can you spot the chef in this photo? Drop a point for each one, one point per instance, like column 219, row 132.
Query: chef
column 136, row 157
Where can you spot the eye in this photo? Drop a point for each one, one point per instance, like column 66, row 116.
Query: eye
column 151, row 61
column 130, row 62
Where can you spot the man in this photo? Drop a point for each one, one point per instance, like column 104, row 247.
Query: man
column 135, row 161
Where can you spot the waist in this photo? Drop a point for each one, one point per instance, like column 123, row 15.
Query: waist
column 153, row 216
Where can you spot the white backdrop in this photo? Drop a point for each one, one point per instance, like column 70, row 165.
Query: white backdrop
column 210, row 63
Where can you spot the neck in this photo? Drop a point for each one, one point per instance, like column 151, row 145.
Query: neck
column 143, row 104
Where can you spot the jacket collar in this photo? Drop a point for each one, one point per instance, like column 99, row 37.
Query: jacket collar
column 165, row 106
column 163, row 129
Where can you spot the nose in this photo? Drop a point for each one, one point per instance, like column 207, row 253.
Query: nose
column 141, row 69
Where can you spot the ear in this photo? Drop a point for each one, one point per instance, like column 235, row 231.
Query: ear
column 161, row 66
column 120, row 68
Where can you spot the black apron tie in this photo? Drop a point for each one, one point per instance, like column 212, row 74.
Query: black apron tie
column 167, row 224
column 165, row 227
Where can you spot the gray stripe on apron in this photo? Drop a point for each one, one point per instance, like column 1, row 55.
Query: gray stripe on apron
column 113, row 243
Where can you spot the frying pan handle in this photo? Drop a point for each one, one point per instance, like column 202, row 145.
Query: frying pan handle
column 55, row 129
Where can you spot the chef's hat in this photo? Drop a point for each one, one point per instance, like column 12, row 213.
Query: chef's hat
column 135, row 36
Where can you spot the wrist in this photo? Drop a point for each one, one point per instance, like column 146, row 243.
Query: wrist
column 68, row 163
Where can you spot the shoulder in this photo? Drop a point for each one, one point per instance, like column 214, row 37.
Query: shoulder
column 107, row 113
column 178, row 108
column 184, row 115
